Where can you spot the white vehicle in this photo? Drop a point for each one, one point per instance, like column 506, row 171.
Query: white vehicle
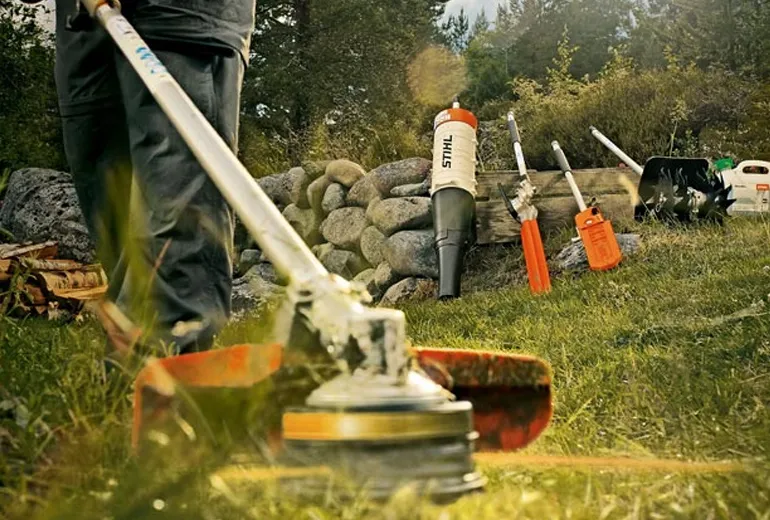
column 750, row 187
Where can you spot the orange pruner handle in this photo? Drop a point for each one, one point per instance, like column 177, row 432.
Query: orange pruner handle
column 534, row 256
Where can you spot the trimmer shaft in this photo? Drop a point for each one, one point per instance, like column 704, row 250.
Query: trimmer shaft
column 381, row 450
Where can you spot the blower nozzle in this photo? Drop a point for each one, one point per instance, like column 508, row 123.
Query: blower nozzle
column 453, row 211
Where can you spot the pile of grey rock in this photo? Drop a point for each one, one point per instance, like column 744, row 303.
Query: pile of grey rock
column 375, row 228
column 371, row 227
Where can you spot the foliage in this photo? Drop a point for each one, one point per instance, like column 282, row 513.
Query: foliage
column 345, row 61
column 29, row 126
column 456, row 31
column 680, row 110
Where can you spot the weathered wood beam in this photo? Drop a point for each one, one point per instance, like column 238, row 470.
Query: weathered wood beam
column 613, row 188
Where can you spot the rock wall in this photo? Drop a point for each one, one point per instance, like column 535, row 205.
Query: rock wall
column 373, row 227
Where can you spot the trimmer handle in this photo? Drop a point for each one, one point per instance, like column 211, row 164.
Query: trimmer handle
column 513, row 128
column 560, row 157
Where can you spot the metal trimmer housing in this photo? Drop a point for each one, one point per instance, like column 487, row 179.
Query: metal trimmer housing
column 675, row 188
column 427, row 448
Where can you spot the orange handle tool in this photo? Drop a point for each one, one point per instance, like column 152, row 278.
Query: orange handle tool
column 534, row 256
column 599, row 240
column 598, row 237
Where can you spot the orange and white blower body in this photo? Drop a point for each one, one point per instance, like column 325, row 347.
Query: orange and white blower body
column 453, row 193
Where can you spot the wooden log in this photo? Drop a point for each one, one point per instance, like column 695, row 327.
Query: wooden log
column 43, row 250
column 602, row 181
column 54, row 264
column 81, row 295
column 5, row 270
column 62, row 281
column 556, row 206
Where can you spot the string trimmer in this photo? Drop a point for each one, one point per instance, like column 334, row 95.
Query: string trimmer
column 380, row 412
column 522, row 209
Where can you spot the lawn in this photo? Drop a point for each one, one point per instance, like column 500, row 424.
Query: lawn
column 667, row 357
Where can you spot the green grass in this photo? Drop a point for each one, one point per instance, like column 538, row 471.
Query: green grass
column 665, row 357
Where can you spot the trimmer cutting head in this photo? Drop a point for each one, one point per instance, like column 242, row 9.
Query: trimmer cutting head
column 382, row 450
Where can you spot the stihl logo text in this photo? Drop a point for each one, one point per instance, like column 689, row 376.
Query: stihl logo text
column 446, row 152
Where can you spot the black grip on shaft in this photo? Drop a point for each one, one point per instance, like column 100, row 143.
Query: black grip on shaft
column 513, row 128
column 560, row 157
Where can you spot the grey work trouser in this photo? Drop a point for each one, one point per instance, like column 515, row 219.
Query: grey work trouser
column 166, row 241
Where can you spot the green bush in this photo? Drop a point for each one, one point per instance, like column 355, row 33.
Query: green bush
column 369, row 145
column 679, row 110
column 260, row 154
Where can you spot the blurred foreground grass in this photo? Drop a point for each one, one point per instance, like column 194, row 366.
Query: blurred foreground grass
column 666, row 357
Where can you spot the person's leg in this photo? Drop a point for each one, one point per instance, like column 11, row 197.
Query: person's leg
column 182, row 229
column 95, row 136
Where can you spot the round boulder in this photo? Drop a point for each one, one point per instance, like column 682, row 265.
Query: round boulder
column 362, row 193
column 385, row 276
column 315, row 168
column 334, row 198
column 305, row 222
column 249, row 258
column 411, row 253
column 344, row 263
column 251, row 292
column 278, row 187
column 409, row 289
column 343, row 227
column 299, row 188
column 408, row 171
column 421, row 189
column 372, row 242
column 344, row 172
column 322, row 249
column 366, row 278
column 573, row 257
column 392, row 215
column 42, row 205
column 316, row 191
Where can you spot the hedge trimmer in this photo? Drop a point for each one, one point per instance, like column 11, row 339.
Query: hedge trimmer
column 522, row 209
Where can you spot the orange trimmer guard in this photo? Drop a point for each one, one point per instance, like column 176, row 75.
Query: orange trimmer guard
column 510, row 393
column 601, row 245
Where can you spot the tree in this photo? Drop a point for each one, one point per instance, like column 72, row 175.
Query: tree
column 709, row 33
column 480, row 25
column 456, row 32
column 342, row 62
column 30, row 133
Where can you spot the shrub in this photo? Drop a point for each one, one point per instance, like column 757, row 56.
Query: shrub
column 679, row 110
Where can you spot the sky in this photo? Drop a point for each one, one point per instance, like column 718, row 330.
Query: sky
column 473, row 7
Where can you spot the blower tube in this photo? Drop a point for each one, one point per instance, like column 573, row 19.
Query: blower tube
column 453, row 192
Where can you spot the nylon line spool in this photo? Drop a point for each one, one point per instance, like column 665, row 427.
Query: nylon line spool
column 453, row 192
column 380, row 451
